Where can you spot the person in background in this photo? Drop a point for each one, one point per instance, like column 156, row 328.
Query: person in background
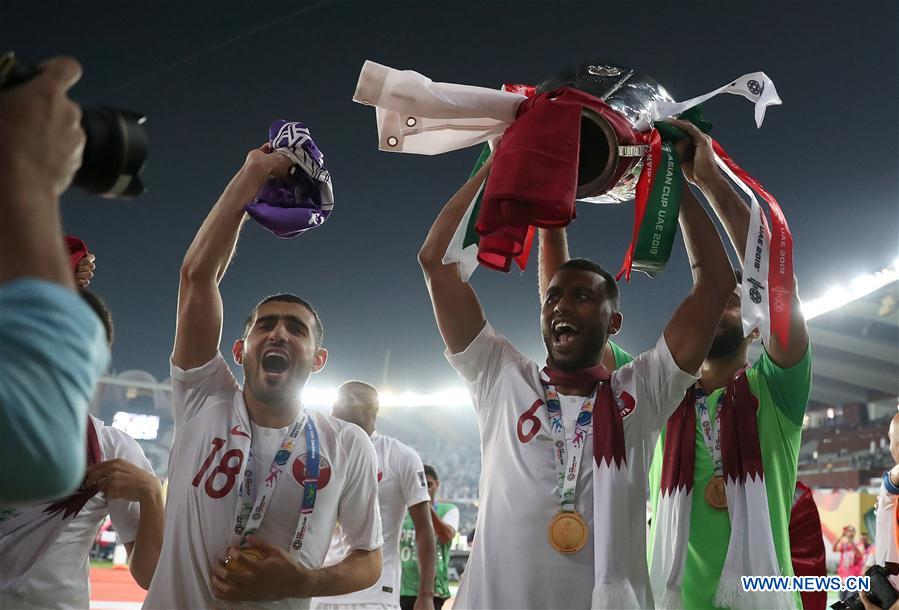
column 866, row 549
column 445, row 517
column 849, row 556
column 402, row 490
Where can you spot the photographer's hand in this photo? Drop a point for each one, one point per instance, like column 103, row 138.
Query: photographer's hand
column 41, row 142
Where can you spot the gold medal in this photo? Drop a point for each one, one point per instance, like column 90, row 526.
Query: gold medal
column 233, row 564
column 568, row 532
column 714, row 493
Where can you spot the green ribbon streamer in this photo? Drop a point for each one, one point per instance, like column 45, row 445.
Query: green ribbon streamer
column 659, row 227
column 656, row 237
column 670, row 133
column 471, row 235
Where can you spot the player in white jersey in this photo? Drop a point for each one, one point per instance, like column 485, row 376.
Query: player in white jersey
column 228, row 536
column 45, row 548
column 536, row 498
column 401, row 486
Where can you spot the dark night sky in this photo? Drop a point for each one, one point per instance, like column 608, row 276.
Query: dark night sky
column 212, row 76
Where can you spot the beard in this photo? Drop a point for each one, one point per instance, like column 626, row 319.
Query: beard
column 726, row 342
column 589, row 355
column 277, row 395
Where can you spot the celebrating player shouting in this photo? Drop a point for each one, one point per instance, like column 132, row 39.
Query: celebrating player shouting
column 557, row 529
column 235, row 447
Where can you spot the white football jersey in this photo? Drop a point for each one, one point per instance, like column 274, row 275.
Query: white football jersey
column 401, row 484
column 45, row 567
column 212, row 427
column 512, row 564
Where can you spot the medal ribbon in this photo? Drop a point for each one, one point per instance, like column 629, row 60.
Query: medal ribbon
column 310, row 484
column 250, row 512
column 711, row 431
column 569, row 452
column 767, row 261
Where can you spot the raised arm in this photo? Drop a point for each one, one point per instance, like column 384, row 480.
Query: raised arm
column 199, row 326
column 690, row 330
column 456, row 307
column 552, row 253
column 52, row 343
column 41, row 142
column 733, row 212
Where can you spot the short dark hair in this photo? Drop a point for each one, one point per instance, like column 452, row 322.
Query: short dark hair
column 348, row 394
column 102, row 311
column 584, row 264
column 286, row 297
column 430, row 472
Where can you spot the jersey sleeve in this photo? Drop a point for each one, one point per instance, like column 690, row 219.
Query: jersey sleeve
column 479, row 365
column 658, row 383
column 451, row 518
column 193, row 389
column 790, row 388
column 411, row 475
column 125, row 515
column 357, row 510
column 54, row 351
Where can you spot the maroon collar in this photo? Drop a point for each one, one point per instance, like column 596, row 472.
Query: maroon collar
column 589, row 376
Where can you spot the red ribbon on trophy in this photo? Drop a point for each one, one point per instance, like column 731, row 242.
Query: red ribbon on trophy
column 780, row 280
column 647, row 176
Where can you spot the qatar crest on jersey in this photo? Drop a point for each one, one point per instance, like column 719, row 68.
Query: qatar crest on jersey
column 298, row 469
column 624, row 402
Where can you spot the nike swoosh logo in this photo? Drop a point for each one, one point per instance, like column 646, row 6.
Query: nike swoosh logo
column 237, row 432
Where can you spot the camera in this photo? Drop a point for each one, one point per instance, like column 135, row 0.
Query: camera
column 116, row 146
column 882, row 594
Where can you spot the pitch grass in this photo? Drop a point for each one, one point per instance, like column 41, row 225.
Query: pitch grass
column 101, row 564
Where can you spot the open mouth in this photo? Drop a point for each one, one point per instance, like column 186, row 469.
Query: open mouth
column 275, row 362
column 564, row 333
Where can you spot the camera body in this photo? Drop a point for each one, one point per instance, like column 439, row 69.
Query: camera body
column 882, row 593
column 116, row 147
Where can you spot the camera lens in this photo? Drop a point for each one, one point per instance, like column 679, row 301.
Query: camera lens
column 116, row 146
column 114, row 153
